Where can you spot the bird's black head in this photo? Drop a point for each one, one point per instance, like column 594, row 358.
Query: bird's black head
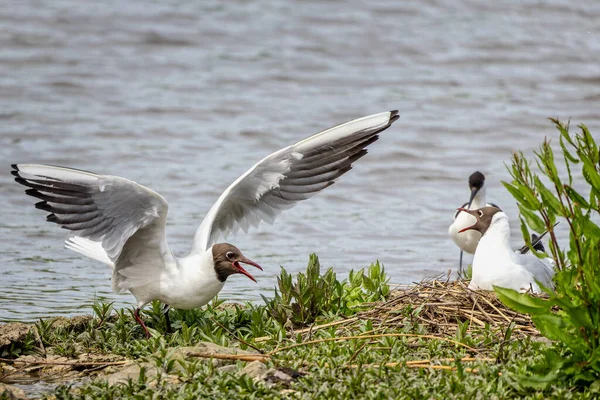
column 476, row 180
column 227, row 259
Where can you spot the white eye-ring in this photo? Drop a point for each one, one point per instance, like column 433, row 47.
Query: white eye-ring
column 229, row 255
column 480, row 213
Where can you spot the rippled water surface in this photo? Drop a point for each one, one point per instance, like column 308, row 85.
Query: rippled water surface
column 184, row 96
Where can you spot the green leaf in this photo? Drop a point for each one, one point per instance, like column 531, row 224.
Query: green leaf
column 576, row 197
column 537, row 382
column 580, row 316
column 523, row 195
column 548, row 198
column 522, row 302
column 535, row 222
column 551, row 326
column 590, row 229
column 566, row 152
column 591, row 175
column 369, row 285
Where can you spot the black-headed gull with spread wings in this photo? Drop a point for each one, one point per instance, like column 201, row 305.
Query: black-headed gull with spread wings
column 122, row 223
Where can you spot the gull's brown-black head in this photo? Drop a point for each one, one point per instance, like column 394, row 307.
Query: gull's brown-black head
column 227, row 259
column 484, row 217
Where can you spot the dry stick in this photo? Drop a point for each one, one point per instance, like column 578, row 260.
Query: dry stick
column 490, row 319
column 426, row 364
column 73, row 364
column 358, row 351
column 381, row 328
column 314, row 328
column 496, row 309
column 238, row 357
column 236, row 336
column 375, row 337
column 20, row 369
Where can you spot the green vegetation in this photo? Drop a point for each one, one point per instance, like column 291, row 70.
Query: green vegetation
column 385, row 351
column 356, row 338
column 314, row 294
column 571, row 314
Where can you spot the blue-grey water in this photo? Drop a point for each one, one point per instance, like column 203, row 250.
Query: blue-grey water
column 183, row 96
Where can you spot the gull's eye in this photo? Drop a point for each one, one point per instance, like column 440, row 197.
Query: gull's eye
column 229, row 255
column 480, row 213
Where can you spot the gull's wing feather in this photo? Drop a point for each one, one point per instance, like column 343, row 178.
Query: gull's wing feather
column 541, row 269
column 109, row 216
column 292, row 174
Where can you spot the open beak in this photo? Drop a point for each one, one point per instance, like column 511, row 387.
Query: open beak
column 241, row 269
column 468, row 212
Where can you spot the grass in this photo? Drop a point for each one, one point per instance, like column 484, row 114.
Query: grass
column 377, row 348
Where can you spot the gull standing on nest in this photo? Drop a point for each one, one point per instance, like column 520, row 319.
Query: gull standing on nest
column 496, row 264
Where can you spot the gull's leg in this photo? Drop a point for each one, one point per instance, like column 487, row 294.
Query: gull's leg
column 166, row 312
column 460, row 270
column 136, row 314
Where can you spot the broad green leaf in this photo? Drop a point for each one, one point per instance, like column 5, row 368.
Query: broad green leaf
column 564, row 131
column 591, row 175
column 522, row 302
column 537, row 382
column 566, row 152
column 548, row 198
column 580, row 316
column 591, row 143
column 523, row 195
column 576, row 197
column 551, row 326
column 535, row 222
column 525, row 232
column 369, row 285
column 590, row 229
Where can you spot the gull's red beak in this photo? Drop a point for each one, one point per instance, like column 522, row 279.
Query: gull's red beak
column 241, row 269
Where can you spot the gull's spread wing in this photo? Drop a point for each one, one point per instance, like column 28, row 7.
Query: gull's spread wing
column 292, row 174
column 115, row 220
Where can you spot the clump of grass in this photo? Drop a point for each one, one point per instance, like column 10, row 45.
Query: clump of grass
column 313, row 294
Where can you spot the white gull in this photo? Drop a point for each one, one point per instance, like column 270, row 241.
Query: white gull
column 497, row 264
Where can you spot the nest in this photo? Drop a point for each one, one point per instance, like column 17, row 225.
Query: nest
column 440, row 306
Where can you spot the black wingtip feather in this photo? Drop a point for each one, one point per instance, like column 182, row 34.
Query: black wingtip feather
column 15, row 166
column 20, row 180
column 42, row 205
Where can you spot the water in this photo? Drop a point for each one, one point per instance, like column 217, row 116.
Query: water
column 184, row 96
